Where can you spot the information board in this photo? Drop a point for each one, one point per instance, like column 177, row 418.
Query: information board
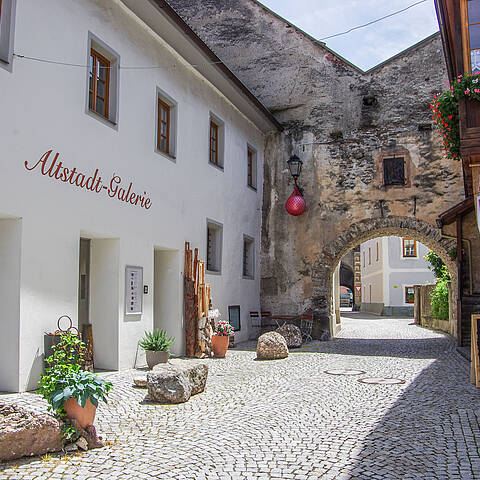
column 133, row 290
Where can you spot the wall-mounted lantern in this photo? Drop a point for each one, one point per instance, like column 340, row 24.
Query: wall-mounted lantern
column 295, row 204
column 295, row 167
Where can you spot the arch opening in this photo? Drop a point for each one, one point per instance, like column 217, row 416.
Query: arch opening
column 326, row 270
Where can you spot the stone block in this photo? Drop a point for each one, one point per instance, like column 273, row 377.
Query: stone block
column 292, row 335
column 270, row 346
column 176, row 381
column 24, row 433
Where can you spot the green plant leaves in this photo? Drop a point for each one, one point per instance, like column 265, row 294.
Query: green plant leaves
column 156, row 341
column 65, row 379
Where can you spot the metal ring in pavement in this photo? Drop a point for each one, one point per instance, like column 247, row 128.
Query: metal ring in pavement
column 381, row 381
column 344, row 371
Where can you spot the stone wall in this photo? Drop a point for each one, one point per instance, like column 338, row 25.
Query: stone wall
column 423, row 309
column 341, row 122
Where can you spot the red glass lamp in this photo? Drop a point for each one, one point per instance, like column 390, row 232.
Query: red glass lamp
column 295, row 204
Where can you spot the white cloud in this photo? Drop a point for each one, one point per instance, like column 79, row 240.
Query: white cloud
column 367, row 46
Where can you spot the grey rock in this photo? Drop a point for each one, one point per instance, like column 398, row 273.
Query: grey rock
column 292, row 335
column 71, row 448
column 24, row 433
column 271, row 345
column 140, row 381
column 176, row 381
column 82, row 444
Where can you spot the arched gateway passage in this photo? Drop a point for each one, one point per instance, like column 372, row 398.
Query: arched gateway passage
column 324, row 268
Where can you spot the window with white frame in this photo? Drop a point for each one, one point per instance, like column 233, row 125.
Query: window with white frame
column 214, row 246
column 7, row 17
column 248, row 257
column 166, row 137
column 102, row 91
column 409, row 295
column 251, row 167
column 409, row 248
column 216, row 142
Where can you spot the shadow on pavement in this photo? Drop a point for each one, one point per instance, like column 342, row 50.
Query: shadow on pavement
column 431, row 432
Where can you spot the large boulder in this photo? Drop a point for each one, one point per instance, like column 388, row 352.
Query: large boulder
column 270, row 346
column 24, row 433
column 176, row 381
column 292, row 335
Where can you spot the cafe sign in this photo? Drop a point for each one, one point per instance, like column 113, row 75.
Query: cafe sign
column 50, row 165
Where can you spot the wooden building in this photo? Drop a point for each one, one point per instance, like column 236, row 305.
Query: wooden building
column 459, row 22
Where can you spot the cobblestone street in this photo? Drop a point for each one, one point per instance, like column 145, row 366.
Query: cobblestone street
column 288, row 419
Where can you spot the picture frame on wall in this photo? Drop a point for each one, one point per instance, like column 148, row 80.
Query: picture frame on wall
column 133, row 290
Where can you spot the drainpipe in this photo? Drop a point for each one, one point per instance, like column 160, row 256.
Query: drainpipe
column 459, row 282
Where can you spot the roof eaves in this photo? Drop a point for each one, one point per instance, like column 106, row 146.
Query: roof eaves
column 459, row 210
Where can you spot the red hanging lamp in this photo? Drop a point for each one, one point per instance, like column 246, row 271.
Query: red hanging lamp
column 295, row 204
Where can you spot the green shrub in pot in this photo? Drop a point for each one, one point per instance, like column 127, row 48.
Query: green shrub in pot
column 157, row 346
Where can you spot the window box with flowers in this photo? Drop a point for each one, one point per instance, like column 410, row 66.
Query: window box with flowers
column 445, row 109
column 220, row 338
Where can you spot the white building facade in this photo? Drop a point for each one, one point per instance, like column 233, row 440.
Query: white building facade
column 390, row 267
column 122, row 137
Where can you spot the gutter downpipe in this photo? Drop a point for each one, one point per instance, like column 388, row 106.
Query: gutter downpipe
column 459, row 283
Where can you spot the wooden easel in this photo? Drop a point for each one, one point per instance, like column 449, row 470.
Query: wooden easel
column 475, row 351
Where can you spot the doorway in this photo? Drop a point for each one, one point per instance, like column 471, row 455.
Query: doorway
column 84, row 286
column 84, row 324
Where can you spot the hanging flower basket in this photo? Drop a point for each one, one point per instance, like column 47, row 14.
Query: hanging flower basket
column 445, row 111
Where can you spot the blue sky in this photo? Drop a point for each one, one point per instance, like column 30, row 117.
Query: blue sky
column 367, row 46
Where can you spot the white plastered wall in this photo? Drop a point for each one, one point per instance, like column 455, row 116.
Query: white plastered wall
column 51, row 115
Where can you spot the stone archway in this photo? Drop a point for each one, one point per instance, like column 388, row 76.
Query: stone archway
column 325, row 265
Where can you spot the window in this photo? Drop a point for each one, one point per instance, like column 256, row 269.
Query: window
column 364, row 258
column 471, row 35
column 166, row 124
column 214, row 246
column 216, row 141
column 394, row 171
column 369, row 256
column 377, row 252
column 248, row 257
column 234, row 317
column 102, row 89
column 7, row 15
column 409, row 295
column 370, row 291
column 409, row 247
column 99, row 84
column 251, row 168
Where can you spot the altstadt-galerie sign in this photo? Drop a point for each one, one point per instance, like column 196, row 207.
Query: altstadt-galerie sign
column 50, row 165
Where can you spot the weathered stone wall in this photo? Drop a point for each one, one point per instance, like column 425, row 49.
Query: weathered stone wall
column 341, row 122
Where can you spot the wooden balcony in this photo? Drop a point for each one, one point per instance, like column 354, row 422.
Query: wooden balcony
column 469, row 115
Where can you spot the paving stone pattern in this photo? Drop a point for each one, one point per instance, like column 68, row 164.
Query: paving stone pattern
column 287, row 419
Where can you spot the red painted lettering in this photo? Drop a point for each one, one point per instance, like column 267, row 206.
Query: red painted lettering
column 56, row 170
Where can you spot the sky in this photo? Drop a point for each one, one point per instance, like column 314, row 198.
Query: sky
column 367, row 46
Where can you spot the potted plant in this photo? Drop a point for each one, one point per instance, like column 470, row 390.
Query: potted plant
column 220, row 338
column 72, row 393
column 77, row 392
column 157, row 347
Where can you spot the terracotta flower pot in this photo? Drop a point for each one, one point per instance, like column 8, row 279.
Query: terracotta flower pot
column 219, row 345
column 84, row 415
column 154, row 358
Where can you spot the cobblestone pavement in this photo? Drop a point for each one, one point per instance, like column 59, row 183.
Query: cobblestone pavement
column 287, row 419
